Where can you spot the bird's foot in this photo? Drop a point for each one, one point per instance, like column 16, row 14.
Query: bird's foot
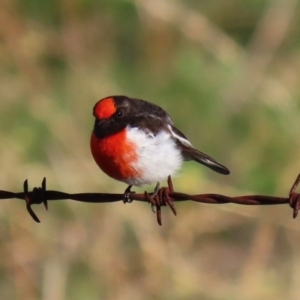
column 154, row 203
column 126, row 195
column 160, row 197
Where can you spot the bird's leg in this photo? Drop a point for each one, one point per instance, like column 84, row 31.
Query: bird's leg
column 156, row 189
column 126, row 195
column 165, row 195
column 160, row 197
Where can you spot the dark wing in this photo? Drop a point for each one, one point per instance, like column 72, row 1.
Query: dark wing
column 190, row 153
column 147, row 109
column 148, row 117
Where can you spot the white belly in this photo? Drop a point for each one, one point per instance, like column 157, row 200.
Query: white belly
column 158, row 156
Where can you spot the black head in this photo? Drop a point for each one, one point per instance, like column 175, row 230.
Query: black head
column 114, row 113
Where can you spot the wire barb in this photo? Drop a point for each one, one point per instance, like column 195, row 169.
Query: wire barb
column 165, row 196
column 294, row 199
column 37, row 196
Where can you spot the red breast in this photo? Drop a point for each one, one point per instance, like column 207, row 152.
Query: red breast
column 114, row 154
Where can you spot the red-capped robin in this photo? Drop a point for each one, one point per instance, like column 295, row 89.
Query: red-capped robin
column 134, row 141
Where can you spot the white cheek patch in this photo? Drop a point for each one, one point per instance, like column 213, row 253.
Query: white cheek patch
column 158, row 156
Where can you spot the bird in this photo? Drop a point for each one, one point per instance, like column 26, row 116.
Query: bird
column 136, row 142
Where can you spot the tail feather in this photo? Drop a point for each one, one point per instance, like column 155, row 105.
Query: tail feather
column 194, row 154
column 190, row 153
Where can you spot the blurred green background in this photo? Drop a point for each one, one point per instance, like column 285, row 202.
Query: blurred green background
column 227, row 72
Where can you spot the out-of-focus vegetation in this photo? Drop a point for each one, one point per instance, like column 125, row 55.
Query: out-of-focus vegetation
column 228, row 73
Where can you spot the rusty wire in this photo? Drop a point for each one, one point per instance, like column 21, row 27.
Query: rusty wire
column 166, row 196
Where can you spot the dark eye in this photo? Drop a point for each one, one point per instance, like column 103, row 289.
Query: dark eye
column 119, row 113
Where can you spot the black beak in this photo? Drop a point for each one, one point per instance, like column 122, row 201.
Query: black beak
column 98, row 122
column 99, row 127
column 105, row 127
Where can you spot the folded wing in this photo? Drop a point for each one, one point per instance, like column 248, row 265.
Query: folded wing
column 190, row 153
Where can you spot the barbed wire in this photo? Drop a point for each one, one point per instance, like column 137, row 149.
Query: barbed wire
column 166, row 196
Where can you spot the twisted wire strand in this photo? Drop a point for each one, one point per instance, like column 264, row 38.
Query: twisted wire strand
column 166, row 196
